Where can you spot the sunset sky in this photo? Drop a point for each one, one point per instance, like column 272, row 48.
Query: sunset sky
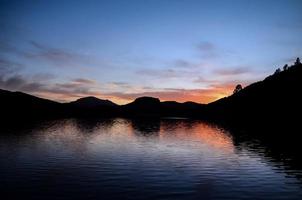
column 181, row 50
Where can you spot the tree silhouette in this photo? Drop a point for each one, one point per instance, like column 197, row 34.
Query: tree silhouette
column 298, row 61
column 285, row 67
column 277, row 71
column 237, row 88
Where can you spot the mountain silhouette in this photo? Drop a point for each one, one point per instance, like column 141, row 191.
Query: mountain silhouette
column 92, row 107
column 152, row 107
column 274, row 101
column 142, row 106
column 91, row 102
column 19, row 105
column 176, row 109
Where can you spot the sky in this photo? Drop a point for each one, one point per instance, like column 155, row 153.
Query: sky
column 182, row 50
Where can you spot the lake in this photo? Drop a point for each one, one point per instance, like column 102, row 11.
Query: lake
column 139, row 159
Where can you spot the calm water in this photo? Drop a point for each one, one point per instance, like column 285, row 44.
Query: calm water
column 132, row 159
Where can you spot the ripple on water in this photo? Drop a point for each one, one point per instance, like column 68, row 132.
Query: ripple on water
column 131, row 159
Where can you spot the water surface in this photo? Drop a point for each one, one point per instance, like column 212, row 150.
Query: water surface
column 138, row 159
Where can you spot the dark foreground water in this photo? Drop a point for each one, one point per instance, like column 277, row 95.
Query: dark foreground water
column 133, row 159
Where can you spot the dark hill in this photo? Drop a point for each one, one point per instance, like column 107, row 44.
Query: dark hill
column 145, row 102
column 15, row 105
column 273, row 102
column 142, row 106
column 176, row 109
column 92, row 107
column 91, row 102
column 152, row 107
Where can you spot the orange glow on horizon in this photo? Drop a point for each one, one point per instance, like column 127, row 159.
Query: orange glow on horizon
column 182, row 95
column 195, row 95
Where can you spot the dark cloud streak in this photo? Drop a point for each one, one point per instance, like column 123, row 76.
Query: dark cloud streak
column 208, row 50
column 165, row 73
column 19, row 83
column 46, row 89
column 57, row 56
column 233, row 71
column 84, row 81
column 8, row 66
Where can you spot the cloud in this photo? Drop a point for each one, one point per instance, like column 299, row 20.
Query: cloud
column 120, row 83
column 232, row 71
column 57, row 56
column 43, row 76
column 206, row 46
column 63, row 93
column 166, row 73
column 208, row 50
column 19, row 83
column 5, row 47
column 56, row 91
column 181, row 63
column 84, row 81
column 8, row 66
column 75, row 88
column 202, row 79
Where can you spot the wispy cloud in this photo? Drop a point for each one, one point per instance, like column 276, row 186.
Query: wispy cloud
column 57, row 56
column 208, row 50
column 166, row 73
column 43, row 77
column 56, row 91
column 232, row 71
column 206, row 46
column 118, row 85
column 202, row 79
column 181, row 63
column 18, row 82
column 5, row 47
column 84, row 81
column 7, row 66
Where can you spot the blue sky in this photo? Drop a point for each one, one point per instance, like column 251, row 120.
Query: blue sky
column 171, row 49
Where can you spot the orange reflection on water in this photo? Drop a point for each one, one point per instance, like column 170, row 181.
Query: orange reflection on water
column 120, row 132
column 212, row 136
column 204, row 133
